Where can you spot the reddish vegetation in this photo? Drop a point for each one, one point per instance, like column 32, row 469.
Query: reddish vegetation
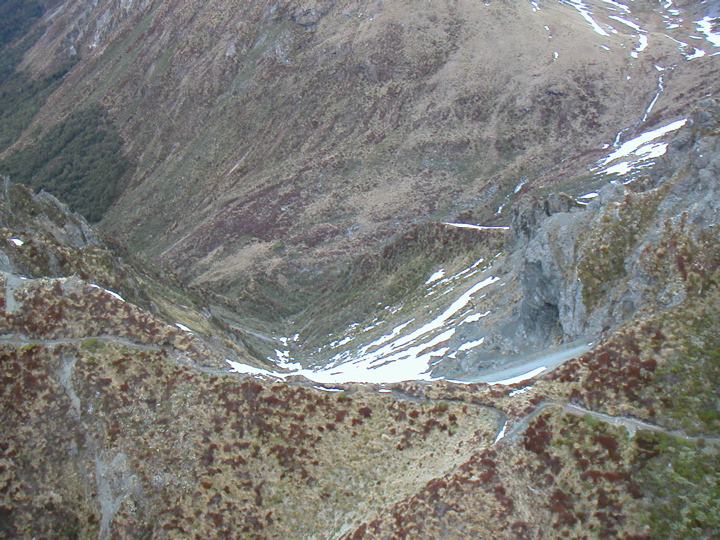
column 613, row 372
column 365, row 412
column 445, row 498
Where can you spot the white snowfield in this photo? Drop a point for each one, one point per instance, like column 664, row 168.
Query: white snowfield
column 393, row 357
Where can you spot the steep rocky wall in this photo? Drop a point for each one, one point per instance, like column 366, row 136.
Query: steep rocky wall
column 575, row 271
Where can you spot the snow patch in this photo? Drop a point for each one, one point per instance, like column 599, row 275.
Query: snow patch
column 471, row 344
column 617, row 5
column 340, row 343
column 238, row 367
column 634, row 144
column 587, row 15
column 641, row 46
column 621, row 168
column 705, row 27
column 520, row 185
column 501, row 434
column 650, row 151
column 520, row 378
column 328, row 389
column 373, row 324
column 111, row 293
column 697, row 53
column 183, row 327
column 520, row 391
column 475, row 317
column 17, row 241
column 626, row 23
column 436, row 276
column 476, row 227
column 114, row 294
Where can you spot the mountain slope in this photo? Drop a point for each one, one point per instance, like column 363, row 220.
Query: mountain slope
column 121, row 425
column 296, row 136
column 418, row 279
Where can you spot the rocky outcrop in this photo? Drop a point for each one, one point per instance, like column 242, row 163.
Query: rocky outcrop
column 19, row 208
column 545, row 235
column 529, row 212
column 41, row 241
column 585, row 269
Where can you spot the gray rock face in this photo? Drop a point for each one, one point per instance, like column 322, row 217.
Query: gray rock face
column 23, row 210
column 582, row 270
column 75, row 230
column 545, row 232
column 696, row 150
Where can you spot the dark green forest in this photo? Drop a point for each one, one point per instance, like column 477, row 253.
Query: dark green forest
column 16, row 18
column 79, row 161
column 20, row 97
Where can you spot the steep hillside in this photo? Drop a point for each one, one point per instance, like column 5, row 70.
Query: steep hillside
column 42, row 239
column 283, row 140
column 118, row 425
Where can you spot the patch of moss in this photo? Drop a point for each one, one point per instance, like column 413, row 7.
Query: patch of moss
column 618, row 230
column 92, row 345
column 683, row 480
column 80, row 161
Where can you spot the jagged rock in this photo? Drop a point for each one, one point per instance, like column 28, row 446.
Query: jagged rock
column 529, row 212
